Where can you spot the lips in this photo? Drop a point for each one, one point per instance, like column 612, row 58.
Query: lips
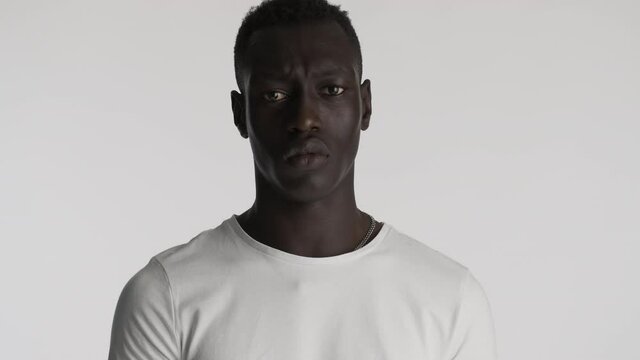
column 310, row 146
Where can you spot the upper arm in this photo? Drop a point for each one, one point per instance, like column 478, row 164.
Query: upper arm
column 474, row 333
column 144, row 321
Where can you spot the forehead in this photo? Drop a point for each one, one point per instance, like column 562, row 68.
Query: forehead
column 313, row 48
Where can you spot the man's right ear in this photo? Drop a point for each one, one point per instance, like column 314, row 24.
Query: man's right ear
column 239, row 119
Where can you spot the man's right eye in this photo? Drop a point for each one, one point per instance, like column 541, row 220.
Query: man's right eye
column 274, row 95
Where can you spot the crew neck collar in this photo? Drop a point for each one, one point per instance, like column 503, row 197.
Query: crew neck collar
column 233, row 223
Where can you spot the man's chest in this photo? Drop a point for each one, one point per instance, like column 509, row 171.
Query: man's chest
column 314, row 322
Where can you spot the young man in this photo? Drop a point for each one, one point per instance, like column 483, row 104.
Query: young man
column 303, row 274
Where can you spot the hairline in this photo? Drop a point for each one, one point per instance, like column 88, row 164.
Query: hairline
column 352, row 42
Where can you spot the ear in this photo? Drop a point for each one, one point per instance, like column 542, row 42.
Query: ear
column 239, row 119
column 365, row 98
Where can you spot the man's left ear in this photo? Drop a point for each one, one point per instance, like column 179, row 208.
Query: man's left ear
column 365, row 98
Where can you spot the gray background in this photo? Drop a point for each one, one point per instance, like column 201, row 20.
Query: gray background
column 504, row 134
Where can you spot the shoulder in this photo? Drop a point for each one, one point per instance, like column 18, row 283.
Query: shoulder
column 150, row 278
column 451, row 289
column 158, row 283
column 421, row 272
column 202, row 244
column 191, row 250
column 144, row 322
column 203, row 253
column 432, row 264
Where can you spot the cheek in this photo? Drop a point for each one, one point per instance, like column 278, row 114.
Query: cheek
column 345, row 126
column 261, row 127
column 261, row 152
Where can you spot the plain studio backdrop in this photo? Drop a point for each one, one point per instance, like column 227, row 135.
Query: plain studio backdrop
column 504, row 134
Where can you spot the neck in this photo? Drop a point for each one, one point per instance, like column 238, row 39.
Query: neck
column 327, row 226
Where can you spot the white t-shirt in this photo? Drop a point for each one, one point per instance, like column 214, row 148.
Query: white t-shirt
column 225, row 296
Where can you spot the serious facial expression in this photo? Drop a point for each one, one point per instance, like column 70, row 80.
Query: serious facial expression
column 302, row 91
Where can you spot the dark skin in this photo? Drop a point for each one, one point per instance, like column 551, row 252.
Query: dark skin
column 301, row 81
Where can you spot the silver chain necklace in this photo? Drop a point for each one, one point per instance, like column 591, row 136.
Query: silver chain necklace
column 366, row 237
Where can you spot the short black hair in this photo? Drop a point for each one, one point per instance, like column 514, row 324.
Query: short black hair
column 289, row 12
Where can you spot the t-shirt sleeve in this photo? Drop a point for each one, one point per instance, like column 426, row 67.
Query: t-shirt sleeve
column 144, row 321
column 473, row 336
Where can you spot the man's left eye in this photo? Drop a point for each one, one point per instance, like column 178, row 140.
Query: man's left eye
column 334, row 90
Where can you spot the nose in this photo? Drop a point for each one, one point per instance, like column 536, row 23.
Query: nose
column 305, row 115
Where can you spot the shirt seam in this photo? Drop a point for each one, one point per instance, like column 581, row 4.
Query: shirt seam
column 462, row 289
column 173, row 306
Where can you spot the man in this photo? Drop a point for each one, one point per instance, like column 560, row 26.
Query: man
column 303, row 274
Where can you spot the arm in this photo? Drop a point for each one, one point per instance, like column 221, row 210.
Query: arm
column 473, row 337
column 144, row 321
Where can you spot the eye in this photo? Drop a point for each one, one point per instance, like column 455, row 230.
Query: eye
column 334, row 90
column 274, row 95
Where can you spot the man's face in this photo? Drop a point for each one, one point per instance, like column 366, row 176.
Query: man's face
column 302, row 87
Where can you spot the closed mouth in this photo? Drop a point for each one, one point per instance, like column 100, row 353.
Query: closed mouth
column 311, row 146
